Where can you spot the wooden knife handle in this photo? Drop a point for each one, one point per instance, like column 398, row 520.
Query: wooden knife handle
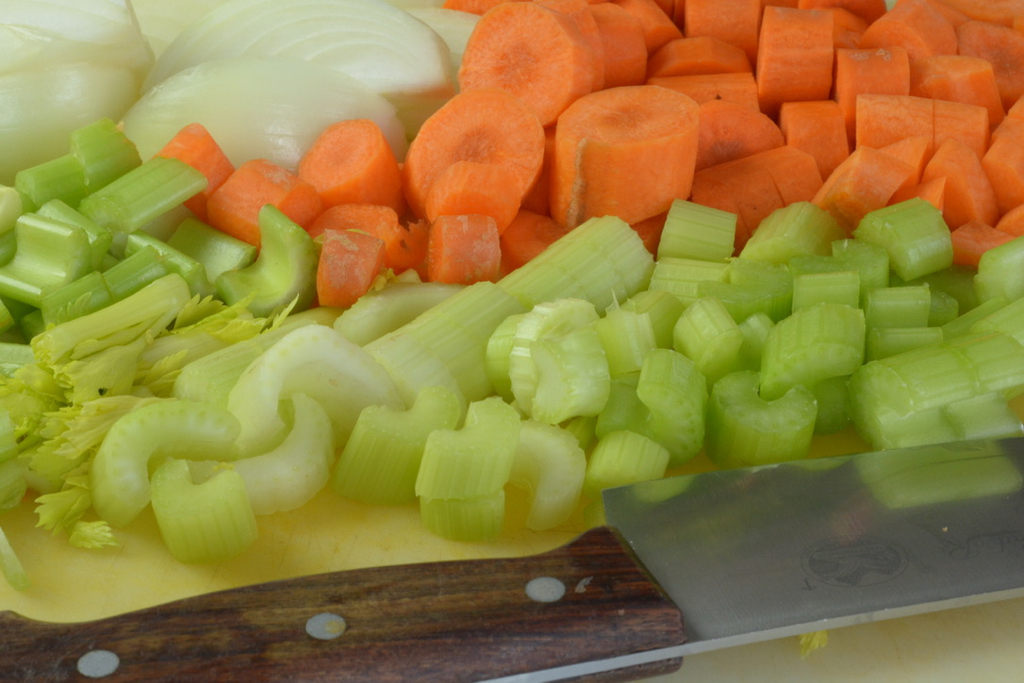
column 448, row 621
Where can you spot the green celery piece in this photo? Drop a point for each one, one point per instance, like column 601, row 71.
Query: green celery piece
column 753, row 286
column 132, row 273
column 623, row 411
column 49, row 254
column 627, row 337
column 1008, row 319
column 833, row 405
column 7, row 320
column 470, row 520
column 838, row 287
column 697, row 232
column 957, row 281
column 965, row 322
column 202, row 523
column 1001, row 272
column 414, row 366
column 143, row 194
column 191, row 270
column 380, row 312
column 813, row 344
column 676, row 395
column 987, row 416
column 944, row 308
column 908, row 306
column 997, row 359
column 663, row 308
column 755, row 330
column 216, row 250
column 573, row 376
column 11, row 567
column 682, row 277
column 104, row 152
column 915, row 235
column 798, row 229
column 85, row 295
column 8, row 442
column 8, row 245
column 623, row 457
column 379, row 463
column 100, row 239
column 13, row 483
column 707, row 334
column 882, row 342
column 31, row 324
column 14, row 355
column 583, row 429
column 10, row 208
column 284, row 271
column 871, row 261
column 550, row 466
column 744, row 429
column 497, row 355
column 61, row 178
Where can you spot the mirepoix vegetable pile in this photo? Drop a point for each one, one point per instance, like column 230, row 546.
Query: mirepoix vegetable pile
column 421, row 254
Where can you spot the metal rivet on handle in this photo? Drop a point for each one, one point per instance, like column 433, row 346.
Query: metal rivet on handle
column 545, row 589
column 98, row 663
column 326, row 626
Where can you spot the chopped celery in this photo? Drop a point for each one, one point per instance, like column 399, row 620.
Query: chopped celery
column 914, row 234
column 1001, row 272
column 13, row 484
column 676, row 395
column 413, row 367
column 10, row 208
column 85, row 295
column 869, row 261
column 627, row 337
column 379, row 312
column 550, row 465
column 99, row 237
column 191, row 270
column 697, row 232
column 752, row 286
column 465, row 519
column 883, row 342
column 944, row 308
column 833, row 405
column 964, row 323
column 707, row 334
column 11, row 567
column 14, row 355
column 497, row 355
column 104, row 151
column 957, row 281
column 583, row 429
column 61, row 178
column 839, row 287
column 50, row 253
column 997, row 359
column 623, row 411
column 663, row 308
column 623, row 457
column 218, row 251
column 682, row 277
column 908, row 306
column 755, row 330
column 986, row 416
column 572, row 376
column 800, row 228
column 1008, row 319
column 132, row 273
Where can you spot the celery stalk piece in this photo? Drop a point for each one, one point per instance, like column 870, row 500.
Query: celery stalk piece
column 815, row 343
column 1001, row 272
column 49, row 254
column 10, row 208
column 915, row 235
column 142, row 194
column 497, row 355
column 470, row 520
column 997, row 360
column 882, row 342
column 191, row 270
column 413, row 367
column 944, row 308
column 623, row 457
column 908, row 306
column 11, row 567
column 839, row 287
column 744, row 429
column 61, row 178
column 986, row 416
column 134, row 272
column 85, row 295
column 208, row 522
column 797, row 229
column 100, row 238
column 218, row 251
column 583, row 429
column 623, row 411
column 572, row 376
column 284, row 271
column 1008, row 319
column 752, row 286
column 707, row 334
column 957, row 281
column 755, row 330
column 104, row 152
column 119, row 475
column 869, row 261
column 833, row 405
column 378, row 313
column 676, row 395
column 682, row 277
column 550, row 466
column 14, row 355
column 964, row 323
column 6, row 319
column 13, row 484
column 313, row 360
column 664, row 310
column 697, row 232
column 626, row 337
column 382, row 457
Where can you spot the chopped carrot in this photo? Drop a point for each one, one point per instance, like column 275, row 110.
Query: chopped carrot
column 973, row 239
column 234, row 208
column 627, row 151
column 794, row 57
column 818, row 128
column 735, row 87
column 865, row 181
column 351, row 162
column 933, row 192
column 952, row 14
column 650, row 229
column 994, row 11
column 538, row 198
column 463, row 249
column 697, row 55
column 958, row 78
column 1003, row 47
column 885, row 119
column 967, row 123
column 1017, row 110
column 914, row 25
column 624, row 45
column 473, row 6
column 729, row 130
column 349, row 263
column 481, row 124
column 527, row 236
column 736, row 22
column 1012, row 221
column 658, row 26
column 194, row 145
column 1004, row 163
column 868, row 10
column 537, row 54
column 794, row 171
column 847, row 28
column 405, row 248
column 915, row 150
column 473, row 187
column 881, row 71
column 969, row 196
column 579, row 12
column 364, row 217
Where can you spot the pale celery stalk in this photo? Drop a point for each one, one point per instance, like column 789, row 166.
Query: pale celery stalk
column 755, row 330
column 1001, row 272
column 623, row 457
column 697, row 232
column 908, row 306
column 882, row 342
column 583, row 429
column 798, row 229
column 707, row 334
column 10, row 208
column 997, row 360
column 839, row 287
column 676, row 395
column 11, row 567
column 497, row 355
column 626, row 337
column 833, row 405
column 49, row 254
column 986, row 416
column 623, row 411
column 216, row 250
column 751, row 287
column 914, row 234
column 1008, row 319
column 572, row 376
column 104, row 151
column 383, row 311
column 550, row 466
column 662, row 307
column 944, row 309
column 682, row 277
column 964, row 323
column 413, row 367
column 469, row 520
column 957, row 281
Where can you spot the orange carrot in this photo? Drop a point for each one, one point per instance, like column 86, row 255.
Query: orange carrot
column 579, row 12
column 914, row 25
column 958, row 78
column 527, row 236
column 484, row 125
column 472, row 187
column 794, row 172
column 194, row 145
column 847, row 28
column 650, row 229
column 1004, row 163
column 736, row 22
column 915, row 150
column 1012, row 222
column 463, row 249
column 473, row 6
column 969, row 196
column 865, row 181
column 882, row 71
column 623, row 44
column 729, row 130
column 932, row 192
column 818, row 128
column 351, row 162
column 1017, row 110
column 952, row 14
column 532, row 52
column 794, row 57
column 995, row 11
column 407, row 246
column 697, row 55
column 626, row 151
column 658, row 26
column 1004, row 48
column 735, row 87
column 967, row 123
column 538, row 198
column 973, row 239
column 868, row 10
column 365, row 217
column 884, row 119
column 234, row 208
column 349, row 263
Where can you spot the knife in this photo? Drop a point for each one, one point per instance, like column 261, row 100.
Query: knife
column 746, row 555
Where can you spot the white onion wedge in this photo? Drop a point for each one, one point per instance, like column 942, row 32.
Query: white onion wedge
column 162, row 21
column 452, row 25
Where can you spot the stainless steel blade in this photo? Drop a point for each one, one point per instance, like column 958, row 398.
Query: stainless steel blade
column 761, row 553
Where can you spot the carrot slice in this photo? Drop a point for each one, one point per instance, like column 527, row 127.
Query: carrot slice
column 624, row 45
column 933, row 192
column 472, row 187
column 818, row 128
column 526, row 236
column 884, row 119
column 994, row 11
column 579, row 12
column 1004, row 163
column 729, row 130
column 881, row 71
column 916, row 151
column 735, row 87
column 868, row 10
column 914, row 25
column 405, row 248
column 1012, row 222
column 847, row 28
column 1004, row 48
column 351, row 162
column 349, row 263
column 736, row 22
column 657, row 24
column 973, row 239
column 967, row 123
column 538, row 198
column 958, row 78
column 474, row 6
column 234, row 208
column 794, row 57
column 626, row 151
column 862, row 183
column 537, row 54
column 194, row 145
column 463, row 249
column 485, row 125
column 969, row 196
column 697, row 55
column 364, row 217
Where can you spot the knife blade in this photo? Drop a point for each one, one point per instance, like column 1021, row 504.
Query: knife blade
column 745, row 555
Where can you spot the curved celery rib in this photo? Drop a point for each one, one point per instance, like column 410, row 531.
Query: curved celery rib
column 798, row 229
column 119, row 475
column 11, row 567
column 378, row 313
column 662, row 308
column 915, row 235
column 707, row 334
column 465, row 519
column 627, row 337
column 676, row 395
column 550, row 465
column 497, row 355
column 623, row 457
column 571, row 374
column 697, row 232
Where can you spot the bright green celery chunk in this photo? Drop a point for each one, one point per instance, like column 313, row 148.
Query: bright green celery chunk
column 682, row 277
column 908, row 306
column 119, row 475
column 815, row 343
column 944, row 308
column 833, row 405
column 61, row 178
column 623, row 411
column 49, row 254
column 623, row 457
column 380, row 312
column 1008, row 319
column 284, row 271
column 957, row 281
column 85, row 295
column 697, row 232
column 1001, row 272
column 104, row 152
column 915, row 235
column 207, row 522
column 11, row 567
column 191, row 270
column 707, row 334
column 550, row 465
column 142, row 194
column 744, row 429
column 132, row 273
column 14, row 355
column 10, row 208
column 497, row 355
column 100, row 239
column 676, row 395
column 627, row 337
column 997, row 359
column 798, row 229
column 755, row 330
column 216, row 250
column 572, row 376
column 382, row 457
column 7, row 320
column 469, row 520
column 839, row 287
column 870, row 262
column 663, row 309
column 317, row 361
column 583, row 429
column 413, row 366
column 986, row 416
column 965, row 322
column 882, row 342
column 752, row 286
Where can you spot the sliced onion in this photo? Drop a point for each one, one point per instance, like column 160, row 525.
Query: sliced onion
column 454, row 27
column 162, row 21
column 258, row 108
